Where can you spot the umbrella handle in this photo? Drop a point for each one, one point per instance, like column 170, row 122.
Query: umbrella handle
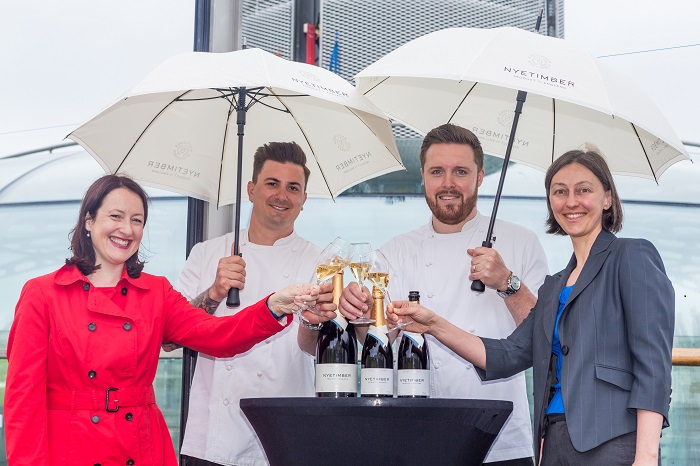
column 478, row 285
column 233, row 299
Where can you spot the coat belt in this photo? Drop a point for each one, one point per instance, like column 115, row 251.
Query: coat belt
column 110, row 399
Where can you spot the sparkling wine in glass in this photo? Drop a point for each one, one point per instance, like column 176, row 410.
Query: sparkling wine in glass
column 358, row 261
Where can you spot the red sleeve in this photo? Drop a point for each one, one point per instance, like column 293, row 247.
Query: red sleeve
column 26, row 425
column 219, row 336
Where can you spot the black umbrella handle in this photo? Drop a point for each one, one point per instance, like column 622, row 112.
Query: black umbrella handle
column 478, row 285
column 233, row 299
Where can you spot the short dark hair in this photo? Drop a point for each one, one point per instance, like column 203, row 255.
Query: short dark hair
column 452, row 134
column 612, row 217
column 282, row 152
column 81, row 244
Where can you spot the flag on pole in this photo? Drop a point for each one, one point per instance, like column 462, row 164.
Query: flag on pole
column 333, row 63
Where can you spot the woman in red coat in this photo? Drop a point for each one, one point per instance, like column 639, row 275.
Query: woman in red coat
column 84, row 344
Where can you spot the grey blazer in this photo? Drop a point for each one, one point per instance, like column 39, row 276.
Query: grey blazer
column 616, row 333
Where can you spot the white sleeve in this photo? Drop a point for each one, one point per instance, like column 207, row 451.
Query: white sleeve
column 188, row 281
column 534, row 263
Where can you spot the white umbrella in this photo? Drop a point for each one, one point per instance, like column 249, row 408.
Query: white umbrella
column 177, row 129
column 471, row 77
column 568, row 98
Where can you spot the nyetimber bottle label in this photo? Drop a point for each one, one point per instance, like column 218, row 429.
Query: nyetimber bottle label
column 377, row 381
column 336, row 378
column 413, row 382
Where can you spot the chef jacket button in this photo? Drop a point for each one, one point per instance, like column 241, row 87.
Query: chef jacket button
column 129, row 416
column 472, row 329
column 92, row 374
column 430, row 295
column 259, row 373
column 127, row 326
column 124, row 291
column 428, row 264
column 229, row 367
column 225, row 402
column 95, row 419
column 130, row 462
column 92, row 327
column 564, row 350
column 86, row 286
column 285, row 275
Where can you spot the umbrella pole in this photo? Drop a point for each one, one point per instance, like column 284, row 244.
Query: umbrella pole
column 478, row 285
column 233, row 299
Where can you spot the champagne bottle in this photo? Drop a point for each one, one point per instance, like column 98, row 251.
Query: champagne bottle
column 413, row 363
column 336, row 353
column 377, row 359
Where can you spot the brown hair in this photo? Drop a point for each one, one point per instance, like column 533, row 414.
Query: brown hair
column 282, row 152
column 612, row 217
column 81, row 244
column 452, row 134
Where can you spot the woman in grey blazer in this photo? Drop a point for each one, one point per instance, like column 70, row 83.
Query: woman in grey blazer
column 599, row 338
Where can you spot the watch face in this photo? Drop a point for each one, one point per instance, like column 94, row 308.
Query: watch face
column 514, row 283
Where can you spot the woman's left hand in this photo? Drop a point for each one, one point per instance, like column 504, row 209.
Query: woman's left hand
column 316, row 302
column 323, row 309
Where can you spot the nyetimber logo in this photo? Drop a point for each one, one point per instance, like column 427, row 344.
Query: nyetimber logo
column 341, row 142
column 182, row 150
column 539, row 76
column 539, row 61
column 505, row 118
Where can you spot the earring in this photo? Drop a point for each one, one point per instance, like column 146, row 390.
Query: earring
column 88, row 234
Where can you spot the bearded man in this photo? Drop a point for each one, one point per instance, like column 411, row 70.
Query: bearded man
column 441, row 259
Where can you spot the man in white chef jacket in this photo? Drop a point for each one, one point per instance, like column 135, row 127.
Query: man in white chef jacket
column 441, row 258
column 273, row 257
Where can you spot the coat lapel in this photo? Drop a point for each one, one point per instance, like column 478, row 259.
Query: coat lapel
column 595, row 261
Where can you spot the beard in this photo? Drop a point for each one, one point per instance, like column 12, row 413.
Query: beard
column 452, row 214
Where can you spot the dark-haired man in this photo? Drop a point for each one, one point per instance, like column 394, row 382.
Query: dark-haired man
column 273, row 257
column 439, row 260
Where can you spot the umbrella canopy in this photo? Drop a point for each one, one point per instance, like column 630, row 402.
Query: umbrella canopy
column 177, row 129
column 471, row 77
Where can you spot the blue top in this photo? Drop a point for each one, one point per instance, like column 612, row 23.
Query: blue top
column 556, row 406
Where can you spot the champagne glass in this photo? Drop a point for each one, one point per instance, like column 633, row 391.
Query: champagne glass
column 359, row 266
column 380, row 269
column 332, row 260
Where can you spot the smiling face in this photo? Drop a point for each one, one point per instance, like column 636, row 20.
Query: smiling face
column 577, row 199
column 117, row 228
column 278, row 197
column 451, row 178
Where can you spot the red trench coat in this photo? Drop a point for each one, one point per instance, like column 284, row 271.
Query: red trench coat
column 69, row 336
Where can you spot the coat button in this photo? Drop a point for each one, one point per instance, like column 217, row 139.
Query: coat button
column 564, row 350
column 95, row 419
column 86, row 286
column 92, row 327
column 127, row 326
column 92, row 374
column 129, row 416
column 124, row 291
column 130, row 462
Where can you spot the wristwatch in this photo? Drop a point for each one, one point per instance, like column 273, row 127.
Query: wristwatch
column 513, row 286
